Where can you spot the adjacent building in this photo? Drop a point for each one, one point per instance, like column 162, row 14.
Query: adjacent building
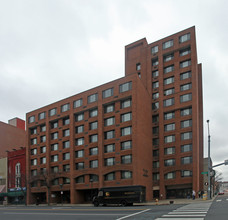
column 143, row 129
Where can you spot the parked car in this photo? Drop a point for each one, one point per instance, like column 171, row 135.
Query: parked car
column 221, row 193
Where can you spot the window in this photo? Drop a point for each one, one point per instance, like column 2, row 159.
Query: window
column 170, row 162
column 80, row 166
column 34, row 151
column 54, row 124
column 184, row 38
column 170, row 139
column 155, row 95
column 126, row 145
column 186, row 97
column 79, row 141
column 33, row 131
column 168, row 57
column 55, row 182
column 33, row 172
column 93, row 113
column 155, row 141
column 79, row 117
column 185, row 63
column 42, row 128
column 93, row 151
column 93, row 125
column 109, row 148
column 54, row 147
column 168, row 69
column 156, row 153
column 169, row 80
column 186, row 123
column 93, row 178
column 167, row 44
column 33, row 141
column 186, row 111
column 126, row 117
column 79, row 129
column 93, row 163
column 43, row 170
column 169, row 150
column 155, row 118
column 125, row 87
column 92, row 98
column 43, row 160
column 79, row 153
column 155, row 130
column 31, row 119
column 126, row 174
column 156, row 176
column 155, row 85
column 109, row 134
column 155, row 164
column 42, row 115
column 126, row 159
column 65, row 107
column 171, row 175
column 43, row 139
column 54, row 136
column 155, row 62
column 126, row 103
column 66, row 167
column 169, row 91
column 34, row 162
column 66, row 180
column 169, row 115
column 186, row 160
column 54, row 158
column 168, row 102
column 154, row 49
column 185, row 75
column 66, row 144
column 186, row 173
column 109, row 108
column 109, row 161
column 185, row 51
column 66, row 156
column 66, row 121
column 109, row 121
column 155, row 105
column 109, row 176
column 126, row 131
column 107, row 93
column 186, row 87
column 43, row 149
column 66, row 133
column 155, row 73
column 186, row 136
column 93, row 138
column 78, row 103
column 169, row 127
column 52, row 111
column 138, row 66
column 186, row 148
column 80, row 179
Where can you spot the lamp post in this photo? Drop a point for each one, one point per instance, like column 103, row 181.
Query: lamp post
column 209, row 164
column 61, row 186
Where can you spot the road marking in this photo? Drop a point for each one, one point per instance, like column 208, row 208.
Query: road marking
column 219, row 200
column 179, row 218
column 183, row 215
column 187, row 212
column 137, row 213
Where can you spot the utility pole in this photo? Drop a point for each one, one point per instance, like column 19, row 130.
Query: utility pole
column 209, row 164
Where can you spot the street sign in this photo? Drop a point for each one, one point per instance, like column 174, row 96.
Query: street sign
column 204, row 173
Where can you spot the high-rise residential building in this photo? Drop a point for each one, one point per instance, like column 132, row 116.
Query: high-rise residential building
column 143, row 129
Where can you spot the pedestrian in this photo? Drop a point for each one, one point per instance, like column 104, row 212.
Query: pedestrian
column 193, row 194
column 199, row 194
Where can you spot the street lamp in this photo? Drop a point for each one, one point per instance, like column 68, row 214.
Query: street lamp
column 209, row 164
column 61, row 186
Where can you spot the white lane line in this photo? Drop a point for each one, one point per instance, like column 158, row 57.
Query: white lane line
column 219, row 200
column 179, row 219
column 137, row 213
column 186, row 212
column 184, row 215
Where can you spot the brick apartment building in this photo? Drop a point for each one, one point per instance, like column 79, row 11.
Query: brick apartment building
column 143, row 129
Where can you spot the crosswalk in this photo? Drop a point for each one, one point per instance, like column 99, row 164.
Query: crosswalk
column 192, row 211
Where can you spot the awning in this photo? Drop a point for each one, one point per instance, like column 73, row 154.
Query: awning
column 15, row 194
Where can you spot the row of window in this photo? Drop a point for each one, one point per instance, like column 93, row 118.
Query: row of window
column 90, row 99
column 172, row 175
column 169, row 80
column 172, row 162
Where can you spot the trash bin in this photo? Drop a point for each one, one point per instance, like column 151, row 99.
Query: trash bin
column 205, row 196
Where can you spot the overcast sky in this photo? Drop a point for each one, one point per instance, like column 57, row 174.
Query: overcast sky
column 50, row 48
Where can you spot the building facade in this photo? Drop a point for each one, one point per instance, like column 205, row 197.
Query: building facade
column 143, row 129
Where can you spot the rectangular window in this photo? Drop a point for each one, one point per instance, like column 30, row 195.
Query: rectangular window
column 126, row 145
column 43, row 160
column 66, row 121
column 155, row 105
column 80, row 179
column 169, row 115
column 43, row 139
column 155, row 130
column 109, row 161
column 126, row 159
column 107, row 93
column 186, row 111
column 126, row 174
column 186, row 87
column 43, row 149
column 154, row 49
column 186, row 173
column 109, row 176
column 185, row 51
column 79, row 117
column 34, row 162
column 93, row 151
column 155, row 85
column 138, row 66
column 42, row 115
column 54, row 136
column 65, row 107
column 78, row 103
column 184, row 38
column 186, row 97
column 125, row 87
column 186, row 160
column 156, row 176
column 54, row 158
column 171, row 175
column 186, row 136
column 167, row 44
column 109, row 134
column 54, row 124
column 93, row 138
column 168, row 57
column 185, row 63
column 33, row 131
column 109, row 148
column 66, row 167
column 54, row 147
column 31, row 119
column 155, row 118
column 92, row 98
column 93, row 163
column 169, row 127
column 170, row 139
column 186, row 123
column 185, row 75
column 186, row 148
column 33, row 141
column 42, row 128
column 52, row 111
column 170, row 162
column 33, row 172
column 33, row 151
column 168, row 69
column 109, row 108
column 126, row 117
column 79, row 153
column 169, row 150
column 79, row 141
column 93, row 113
column 93, row 125
column 80, row 166
column 168, row 102
column 126, row 103
column 66, row 144
column 155, row 164
column 155, row 153
column 169, row 80
column 155, row 73
column 109, row 121
column 155, row 95
column 155, row 141
column 155, row 62
column 126, row 131
column 79, row 129
column 169, row 91
column 66, row 133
